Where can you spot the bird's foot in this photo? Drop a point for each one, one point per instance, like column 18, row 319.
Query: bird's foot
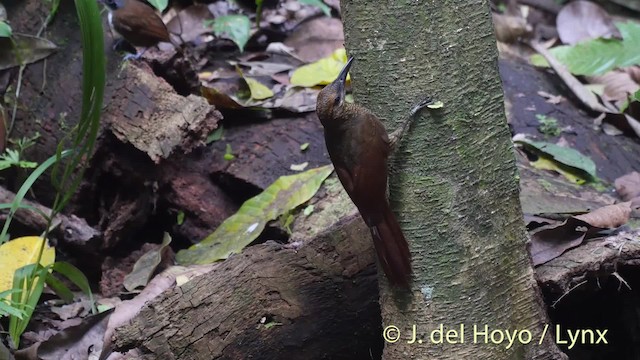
column 426, row 102
column 396, row 136
column 132, row 57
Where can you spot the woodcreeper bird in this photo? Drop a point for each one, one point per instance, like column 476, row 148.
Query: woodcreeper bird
column 359, row 148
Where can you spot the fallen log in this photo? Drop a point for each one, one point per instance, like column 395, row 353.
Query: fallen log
column 315, row 298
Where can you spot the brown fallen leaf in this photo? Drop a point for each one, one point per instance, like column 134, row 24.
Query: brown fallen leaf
column 628, row 186
column 24, row 49
column 618, row 85
column 634, row 72
column 151, row 262
column 189, row 24
column 510, row 28
column 584, row 20
column 317, row 38
column 74, row 342
column 550, row 98
column 219, row 99
column 534, row 222
column 551, row 241
column 608, row 217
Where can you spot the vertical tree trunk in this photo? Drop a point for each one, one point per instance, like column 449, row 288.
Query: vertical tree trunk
column 454, row 183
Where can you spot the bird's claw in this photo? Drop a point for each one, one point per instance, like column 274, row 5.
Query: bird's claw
column 131, row 56
column 426, row 102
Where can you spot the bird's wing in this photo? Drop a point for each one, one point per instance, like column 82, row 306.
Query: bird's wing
column 345, row 178
column 130, row 22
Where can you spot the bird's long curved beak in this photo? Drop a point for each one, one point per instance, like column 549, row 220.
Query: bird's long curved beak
column 342, row 77
column 341, row 80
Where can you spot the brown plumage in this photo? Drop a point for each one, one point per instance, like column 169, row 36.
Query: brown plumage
column 359, row 147
column 137, row 22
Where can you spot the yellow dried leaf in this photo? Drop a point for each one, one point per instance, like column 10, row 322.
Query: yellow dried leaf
column 547, row 164
column 258, row 91
column 20, row 252
column 321, row 72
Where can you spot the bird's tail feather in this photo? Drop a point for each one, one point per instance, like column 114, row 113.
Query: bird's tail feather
column 392, row 249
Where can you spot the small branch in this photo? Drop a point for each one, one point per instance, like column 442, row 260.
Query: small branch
column 567, row 293
column 71, row 229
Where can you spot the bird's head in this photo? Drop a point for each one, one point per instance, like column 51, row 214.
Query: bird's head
column 331, row 98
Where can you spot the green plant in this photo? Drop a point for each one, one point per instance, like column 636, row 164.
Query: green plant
column 548, row 125
column 228, row 153
column 5, row 29
column 12, row 158
column 28, row 281
column 8, row 307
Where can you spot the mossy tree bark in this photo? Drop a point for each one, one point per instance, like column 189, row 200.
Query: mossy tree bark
column 454, row 183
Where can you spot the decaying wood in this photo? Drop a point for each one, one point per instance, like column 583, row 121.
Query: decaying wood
column 145, row 111
column 593, row 260
column 312, row 300
column 266, row 150
column 70, row 230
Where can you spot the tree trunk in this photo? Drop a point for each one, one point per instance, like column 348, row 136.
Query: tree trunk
column 453, row 184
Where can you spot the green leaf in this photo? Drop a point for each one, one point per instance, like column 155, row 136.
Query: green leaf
column 304, row 147
column 308, row 210
column 5, row 29
column 59, row 288
column 30, row 280
column 319, row 4
column 11, row 157
column 146, row 265
column 633, row 98
column 563, row 155
column 93, row 81
column 235, row 27
column 598, row 56
column 321, row 72
column 269, row 325
column 180, row 218
column 258, row 11
column 25, row 188
column 77, row 277
column 161, row 5
column 215, row 135
column 239, row 230
column 257, row 89
column 288, row 220
column 7, row 307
